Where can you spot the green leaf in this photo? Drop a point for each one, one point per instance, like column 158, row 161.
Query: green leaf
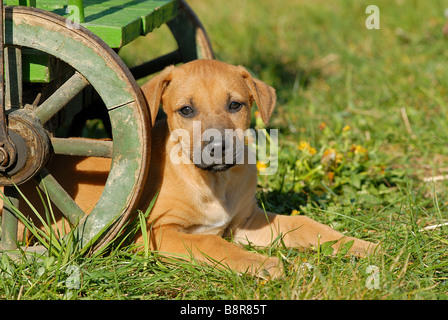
column 355, row 180
column 326, row 248
column 346, row 247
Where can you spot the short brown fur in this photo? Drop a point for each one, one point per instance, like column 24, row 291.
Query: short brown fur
column 197, row 208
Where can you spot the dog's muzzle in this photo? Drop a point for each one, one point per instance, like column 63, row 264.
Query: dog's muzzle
column 218, row 155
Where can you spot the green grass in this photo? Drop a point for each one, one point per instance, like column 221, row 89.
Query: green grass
column 373, row 99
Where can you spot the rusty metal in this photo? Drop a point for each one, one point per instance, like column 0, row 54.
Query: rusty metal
column 4, row 157
column 32, row 145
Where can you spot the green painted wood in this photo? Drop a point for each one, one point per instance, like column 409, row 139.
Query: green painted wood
column 121, row 95
column 116, row 22
column 76, row 7
column 9, row 221
column 82, row 147
column 48, row 184
column 26, row 3
column 61, row 97
column 38, row 66
column 13, row 89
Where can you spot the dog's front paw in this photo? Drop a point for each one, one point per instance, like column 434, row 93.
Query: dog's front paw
column 272, row 268
column 362, row 248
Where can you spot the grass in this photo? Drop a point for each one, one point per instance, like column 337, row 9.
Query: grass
column 362, row 116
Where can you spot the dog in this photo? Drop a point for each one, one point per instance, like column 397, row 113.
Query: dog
column 200, row 204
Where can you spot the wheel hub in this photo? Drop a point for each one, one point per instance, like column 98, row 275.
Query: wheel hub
column 32, row 146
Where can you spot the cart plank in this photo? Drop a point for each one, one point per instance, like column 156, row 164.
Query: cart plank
column 116, row 22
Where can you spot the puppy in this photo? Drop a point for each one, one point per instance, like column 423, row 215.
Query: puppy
column 200, row 203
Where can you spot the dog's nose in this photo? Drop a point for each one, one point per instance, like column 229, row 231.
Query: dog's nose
column 217, row 145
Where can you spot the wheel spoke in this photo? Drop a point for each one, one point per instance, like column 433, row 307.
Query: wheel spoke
column 60, row 197
column 59, row 99
column 114, row 85
column 9, row 219
column 82, row 147
column 13, row 75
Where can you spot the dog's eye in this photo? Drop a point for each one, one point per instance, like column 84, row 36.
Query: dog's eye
column 235, row 106
column 186, row 112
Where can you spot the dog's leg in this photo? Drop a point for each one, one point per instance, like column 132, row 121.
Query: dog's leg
column 297, row 231
column 214, row 250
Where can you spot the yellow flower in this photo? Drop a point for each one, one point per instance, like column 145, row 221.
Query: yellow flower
column 339, row 158
column 346, row 128
column 329, row 155
column 306, row 146
column 262, row 283
column 360, row 150
column 295, row 212
column 332, row 156
column 261, row 166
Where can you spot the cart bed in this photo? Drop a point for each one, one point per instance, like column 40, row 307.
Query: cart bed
column 116, row 22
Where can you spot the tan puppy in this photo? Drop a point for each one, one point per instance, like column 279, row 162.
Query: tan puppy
column 199, row 204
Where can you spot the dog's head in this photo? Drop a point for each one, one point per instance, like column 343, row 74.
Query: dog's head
column 211, row 99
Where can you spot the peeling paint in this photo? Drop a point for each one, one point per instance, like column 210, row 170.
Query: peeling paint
column 107, row 74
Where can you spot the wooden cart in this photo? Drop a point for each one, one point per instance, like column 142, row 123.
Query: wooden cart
column 60, row 58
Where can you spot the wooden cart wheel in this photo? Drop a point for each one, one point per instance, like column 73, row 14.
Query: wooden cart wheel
column 190, row 34
column 192, row 40
column 93, row 64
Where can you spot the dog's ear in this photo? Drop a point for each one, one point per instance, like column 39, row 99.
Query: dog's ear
column 263, row 95
column 153, row 91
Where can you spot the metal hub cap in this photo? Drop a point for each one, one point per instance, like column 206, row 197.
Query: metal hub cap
column 32, row 149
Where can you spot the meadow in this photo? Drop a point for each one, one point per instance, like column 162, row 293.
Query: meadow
column 362, row 116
